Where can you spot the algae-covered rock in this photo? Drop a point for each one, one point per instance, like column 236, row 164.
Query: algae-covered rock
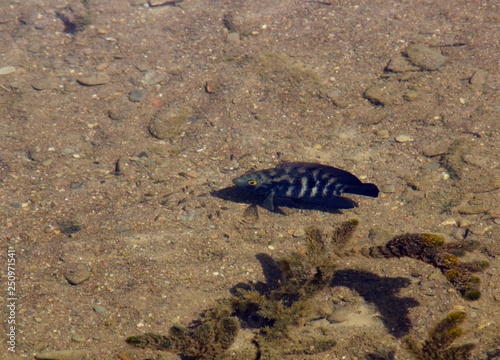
column 168, row 123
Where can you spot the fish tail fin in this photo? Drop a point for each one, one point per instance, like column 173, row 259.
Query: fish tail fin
column 362, row 189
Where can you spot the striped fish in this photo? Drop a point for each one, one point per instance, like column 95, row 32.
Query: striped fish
column 298, row 180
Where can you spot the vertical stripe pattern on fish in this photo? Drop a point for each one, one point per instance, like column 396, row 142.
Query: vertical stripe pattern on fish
column 303, row 181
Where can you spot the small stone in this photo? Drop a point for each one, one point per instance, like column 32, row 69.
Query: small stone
column 425, row 57
column 400, row 65
column 102, row 66
column 43, row 84
column 40, row 346
column 388, row 189
column 459, row 233
column 78, row 338
column 211, row 86
column 76, row 274
column 478, row 79
column 298, row 232
column 100, row 309
column 154, row 3
column 251, row 214
column 137, row 95
column 475, row 305
column 335, row 96
column 449, row 222
column 93, row 80
column 70, row 227
column 384, row 95
column 62, row 355
column 403, row 138
column 189, row 174
column 168, row 123
column 116, row 114
column 411, row 95
column 383, row 134
column 153, row 77
column 6, row 70
column 68, row 151
column 233, row 38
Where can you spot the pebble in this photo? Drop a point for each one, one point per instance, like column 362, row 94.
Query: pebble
column 233, row 38
column 400, row 65
column 484, row 162
column 154, row 3
column 152, row 77
column 383, row 134
column 383, row 95
column 449, row 222
column 189, row 174
column 411, row 95
column 478, row 79
column 70, row 227
column 40, row 346
column 168, row 123
column 137, row 95
column 389, row 189
column 76, row 274
column 93, row 80
column 298, row 232
column 459, row 233
column 100, row 309
column 6, row 70
column 44, row 83
column 62, row 355
column 251, row 214
column 336, row 97
column 211, row 86
column 425, row 57
column 102, row 66
column 78, row 338
column 403, row 138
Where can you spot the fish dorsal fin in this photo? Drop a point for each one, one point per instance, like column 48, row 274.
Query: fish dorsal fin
column 307, row 166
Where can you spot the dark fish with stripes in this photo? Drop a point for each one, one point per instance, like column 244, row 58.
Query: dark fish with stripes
column 299, row 180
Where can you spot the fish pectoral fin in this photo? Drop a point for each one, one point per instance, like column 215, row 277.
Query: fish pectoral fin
column 269, row 202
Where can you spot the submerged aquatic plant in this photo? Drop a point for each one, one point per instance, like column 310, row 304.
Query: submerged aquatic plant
column 438, row 345
column 209, row 338
column 278, row 309
column 432, row 249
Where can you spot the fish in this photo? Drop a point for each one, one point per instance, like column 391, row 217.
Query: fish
column 302, row 180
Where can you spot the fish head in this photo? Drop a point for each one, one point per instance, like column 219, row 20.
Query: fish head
column 257, row 182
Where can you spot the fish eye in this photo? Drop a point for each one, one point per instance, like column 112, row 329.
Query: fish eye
column 252, row 182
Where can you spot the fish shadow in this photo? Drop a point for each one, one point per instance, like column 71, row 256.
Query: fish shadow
column 383, row 293
column 331, row 205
